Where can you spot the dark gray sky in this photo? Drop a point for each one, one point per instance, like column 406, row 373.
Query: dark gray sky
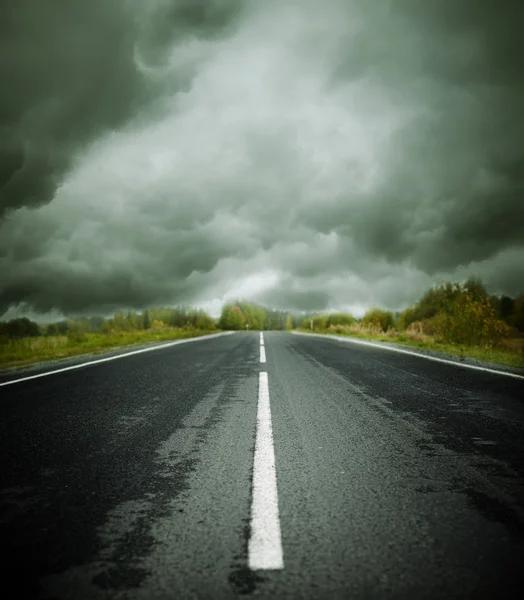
column 309, row 155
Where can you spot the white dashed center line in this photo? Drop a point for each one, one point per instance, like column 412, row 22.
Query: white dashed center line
column 262, row 349
column 262, row 354
column 265, row 543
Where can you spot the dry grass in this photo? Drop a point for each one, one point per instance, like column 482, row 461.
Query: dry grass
column 415, row 334
column 514, row 344
column 26, row 351
column 509, row 353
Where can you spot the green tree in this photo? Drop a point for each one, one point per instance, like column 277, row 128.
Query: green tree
column 146, row 321
column 475, row 289
column 204, row 321
column 232, row 318
column 120, row 322
column 435, row 300
column 132, row 320
column 272, row 320
column 19, row 328
column 254, row 314
column 472, row 320
column 320, row 322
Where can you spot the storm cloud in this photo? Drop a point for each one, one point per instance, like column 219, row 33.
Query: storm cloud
column 310, row 155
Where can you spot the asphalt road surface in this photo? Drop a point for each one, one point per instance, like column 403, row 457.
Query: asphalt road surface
column 287, row 467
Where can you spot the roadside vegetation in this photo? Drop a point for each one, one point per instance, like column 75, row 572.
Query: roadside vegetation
column 460, row 319
column 23, row 342
column 247, row 315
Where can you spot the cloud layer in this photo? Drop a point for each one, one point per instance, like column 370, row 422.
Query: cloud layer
column 309, row 155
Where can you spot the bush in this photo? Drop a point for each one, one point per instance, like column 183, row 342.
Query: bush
column 471, row 321
column 475, row 322
column 341, row 319
column 432, row 326
column 320, row 322
column 76, row 337
column 377, row 319
column 19, row 328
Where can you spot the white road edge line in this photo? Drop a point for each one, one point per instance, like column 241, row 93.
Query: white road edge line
column 262, row 354
column 107, row 359
column 401, row 351
column 265, row 543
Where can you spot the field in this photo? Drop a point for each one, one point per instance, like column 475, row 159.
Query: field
column 29, row 350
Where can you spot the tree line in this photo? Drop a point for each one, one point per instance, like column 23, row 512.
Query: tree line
column 462, row 313
column 154, row 318
column 452, row 312
column 248, row 315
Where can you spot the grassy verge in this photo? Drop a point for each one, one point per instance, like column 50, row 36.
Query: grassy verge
column 27, row 351
column 511, row 356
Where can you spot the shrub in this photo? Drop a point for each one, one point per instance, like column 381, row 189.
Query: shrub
column 341, row 319
column 377, row 319
column 432, row 326
column 472, row 321
column 76, row 337
column 320, row 322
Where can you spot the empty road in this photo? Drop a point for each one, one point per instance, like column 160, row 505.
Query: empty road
column 277, row 466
